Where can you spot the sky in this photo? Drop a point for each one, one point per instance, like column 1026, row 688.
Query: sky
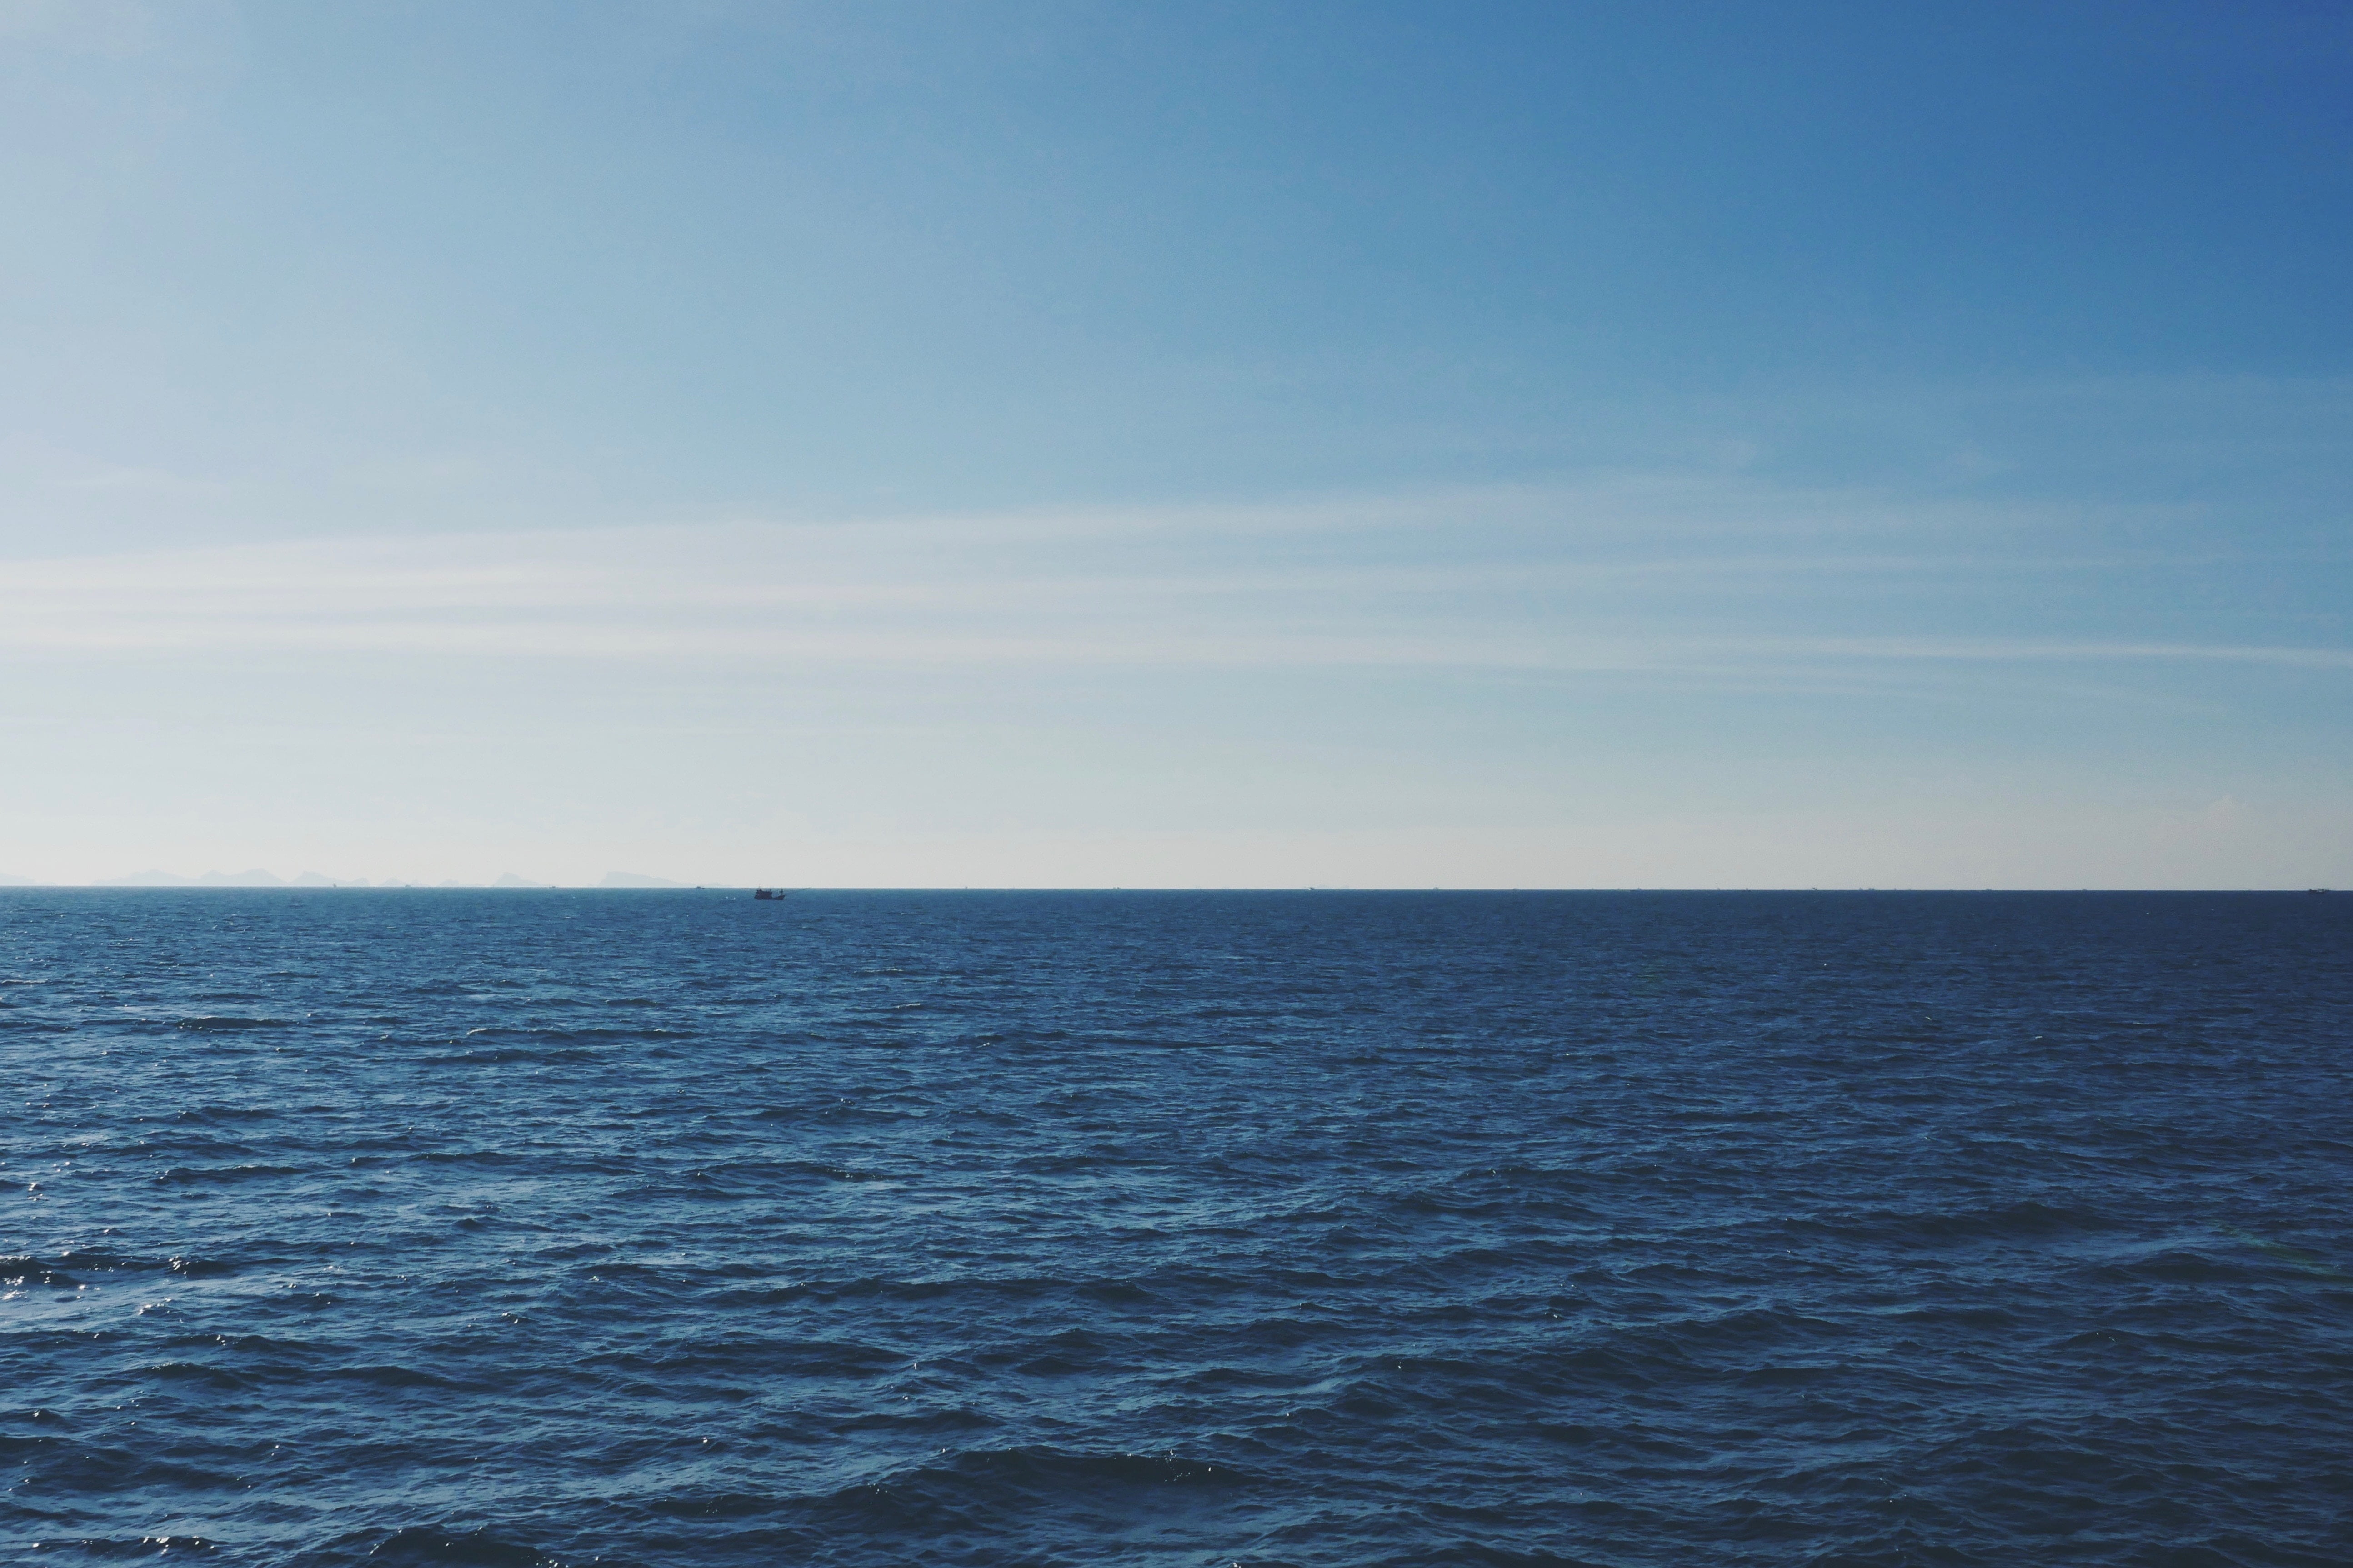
column 1062, row 444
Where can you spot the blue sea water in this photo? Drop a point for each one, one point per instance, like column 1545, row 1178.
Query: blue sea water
column 1161, row 1228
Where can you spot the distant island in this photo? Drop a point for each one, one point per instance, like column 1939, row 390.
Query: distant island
column 258, row 877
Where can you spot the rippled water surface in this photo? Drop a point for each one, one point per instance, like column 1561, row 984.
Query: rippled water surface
column 972, row 1228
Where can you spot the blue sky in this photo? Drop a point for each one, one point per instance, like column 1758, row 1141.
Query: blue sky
column 1699, row 444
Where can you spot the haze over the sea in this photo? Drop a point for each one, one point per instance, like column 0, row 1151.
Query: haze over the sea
column 1154, row 445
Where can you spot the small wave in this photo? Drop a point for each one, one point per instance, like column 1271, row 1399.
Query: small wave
column 557, row 1056
column 1046, row 1468
column 2183, row 1265
column 974, row 1490
column 23, row 1270
column 194, row 1175
column 787, row 1358
column 427, row 1546
column 218, row 1113
column 920, row 1422
column 111, row 1549
column 976, row 1294
column 391, row 1377
column 592, row 1034
column 2026, row 1221
column 223, row 1023
column 1982, row 1318
column 844, row 1173
column 220, row 1378
column 1072, row 1352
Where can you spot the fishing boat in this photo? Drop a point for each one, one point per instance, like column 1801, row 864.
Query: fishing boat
column 768, row 893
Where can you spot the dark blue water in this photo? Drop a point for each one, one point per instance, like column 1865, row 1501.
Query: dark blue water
column 966, row 1228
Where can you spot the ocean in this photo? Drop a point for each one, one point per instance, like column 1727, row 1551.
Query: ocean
column 1161, row 1228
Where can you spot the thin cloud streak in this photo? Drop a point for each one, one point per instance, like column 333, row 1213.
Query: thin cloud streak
column 1603, row 579
column 1596, row 580
column 2021, row 651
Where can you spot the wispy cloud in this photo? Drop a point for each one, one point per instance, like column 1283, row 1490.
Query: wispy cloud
column 1634, row 576
column 2018, row 649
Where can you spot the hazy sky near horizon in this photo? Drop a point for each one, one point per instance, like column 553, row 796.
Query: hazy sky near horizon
column 1067, row 444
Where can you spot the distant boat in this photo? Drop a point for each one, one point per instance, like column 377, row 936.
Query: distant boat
column 2315, row 889
column 769, row 893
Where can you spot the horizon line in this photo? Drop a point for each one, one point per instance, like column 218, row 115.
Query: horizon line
column 519, row 886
